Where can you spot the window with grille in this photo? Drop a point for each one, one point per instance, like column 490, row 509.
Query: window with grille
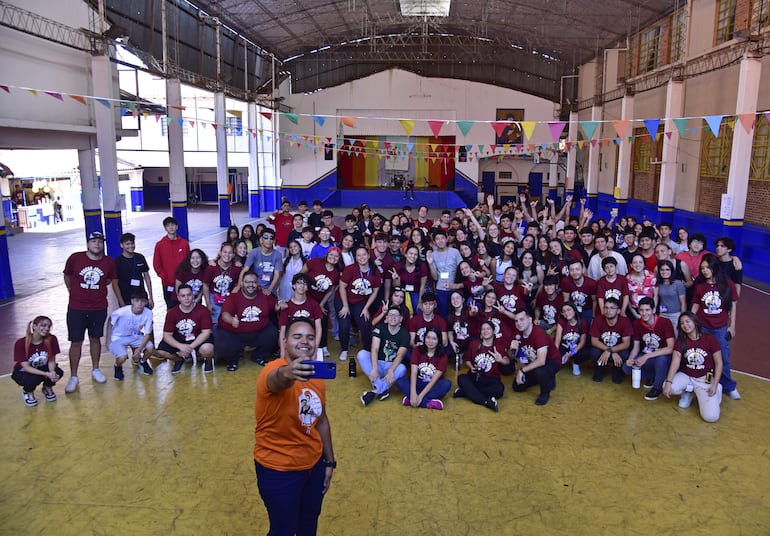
column 649, row 51
column 164, row 127
column 760, row 151
column 642, row 151
column 678, row 32
column 715, row 152
column 234, row 125
column 505, row 175
column 760, row 14
column 725, row 20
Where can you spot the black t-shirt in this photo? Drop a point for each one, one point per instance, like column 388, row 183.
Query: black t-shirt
column 130, row 274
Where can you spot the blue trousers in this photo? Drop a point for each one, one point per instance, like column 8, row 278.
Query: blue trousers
column 293, row 498
column 439, row 390
column 656, row 368
column 380, row 385
column 442, row 305
column 727, row 381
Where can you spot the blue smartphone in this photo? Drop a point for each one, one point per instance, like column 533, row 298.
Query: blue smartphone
column 323, row 370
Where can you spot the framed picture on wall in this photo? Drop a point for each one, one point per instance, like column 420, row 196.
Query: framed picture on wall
column 512, row 132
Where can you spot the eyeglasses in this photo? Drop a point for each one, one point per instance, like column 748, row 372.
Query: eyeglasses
column 394, row 314
column 268, row 237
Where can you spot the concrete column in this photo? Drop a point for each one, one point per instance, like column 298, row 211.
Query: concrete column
column 569, row 180
column 271, row 182
column 553, row 176
column 137, row 190
column 6, row 281
column 592, row 181
column 5, row 190
column 253, row 161
column 221, row 138
column 89, row 184
column 740, row 155
column 102, row 71
column 177, row 179
column 670, row 166
column 625, row 154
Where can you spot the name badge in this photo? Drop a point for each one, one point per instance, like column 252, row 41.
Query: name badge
column 663, row 309
column 409, row 288
column 170, row 288
column 267, row 277
column 136, row 283
column 443, row 275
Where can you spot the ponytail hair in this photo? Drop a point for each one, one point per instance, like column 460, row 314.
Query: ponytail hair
column 28, row 334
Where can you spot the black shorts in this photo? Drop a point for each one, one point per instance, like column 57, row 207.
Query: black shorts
column 79, row 321
column 166, row 347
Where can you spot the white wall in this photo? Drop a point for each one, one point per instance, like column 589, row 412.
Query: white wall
column 400, row 94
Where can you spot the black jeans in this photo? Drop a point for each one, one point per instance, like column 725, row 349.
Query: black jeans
column 229, row 345
column 364, row 326
column 29, row 382
column 544, row 376
column 482, row 390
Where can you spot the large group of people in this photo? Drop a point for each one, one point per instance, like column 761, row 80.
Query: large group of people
column 519, row 289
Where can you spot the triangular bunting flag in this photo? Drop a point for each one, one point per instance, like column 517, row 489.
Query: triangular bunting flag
column 106, row 103
column 78, row 98
column 621, row 127
column 410, row 147
column 668, row 134
column 499, row 127
column 180, row 121
column 652, row 126
column 192, row 124
column 294, row 118
column 349, row 121
column 33, row 91
column 557, row 127
column 407, row 125
column 267, row 115
column 617, row 141
column 529, row 128
column 5, row 88
column 54, row 95
column 747, row 122
column 481, row 149
column 681, row 125
column 214, row 125
column 168, row 120
column 581, row 143
column 465, row 126
column 593, row 143
column 320, row 119
column 494, row 148
column 589, row 127
column 435, row 127
column 714, row 122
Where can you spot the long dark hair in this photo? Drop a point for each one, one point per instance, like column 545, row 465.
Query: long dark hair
column 439, row 347
column 288, row 255
column 681, row 339
column 185, row 265
column 719, row 277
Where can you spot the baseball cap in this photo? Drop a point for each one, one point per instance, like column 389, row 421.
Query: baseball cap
column 96, row 235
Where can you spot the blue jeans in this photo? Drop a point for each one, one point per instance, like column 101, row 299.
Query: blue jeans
column 727, row 381
column 293, row 498
column 656, row 368
column 442, row 299
column 439, row 390
column 380, row 385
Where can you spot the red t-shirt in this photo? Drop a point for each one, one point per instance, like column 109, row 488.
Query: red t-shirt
column 513, row 298
column 713, row 313
column 361, row 284
column 410, row 281
column 499, row 320
column 653, row 338
column 89, row 280
column 253, row 313
column 428, row 366
column 221, row 281
column 550, row 309
column 185, row 327
column 698, row 356
column 284, row 223
column 418, row 325
column 194, row 280
column 570, row 335
column 529, row 346
column 321, row 279
column 38, row 355
column 612, row 289
column 384, row 264
column 581, row 296
column 611, row 335
column 427, row 225
column 479, row 355
column 310, row 309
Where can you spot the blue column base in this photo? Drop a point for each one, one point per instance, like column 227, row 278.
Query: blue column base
column 137, row 199
column 6, row 281
column 113, row 227
column 224, row 210
column 665, row 214
column 8, row 207
column 93, row 221
column 734, row 229
column 552, row 194
column 622, row 208
column 179, row 211
column 592, row 202
column 271, row 200
column 254, row 203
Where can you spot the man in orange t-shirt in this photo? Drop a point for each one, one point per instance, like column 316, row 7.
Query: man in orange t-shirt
column 293, row 453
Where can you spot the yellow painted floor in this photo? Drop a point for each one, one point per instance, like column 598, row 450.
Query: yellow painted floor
column 172, row 455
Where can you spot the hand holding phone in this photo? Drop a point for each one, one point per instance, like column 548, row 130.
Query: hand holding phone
column 322, row 370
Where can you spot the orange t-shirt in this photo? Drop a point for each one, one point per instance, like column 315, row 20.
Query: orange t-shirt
column 286, row 438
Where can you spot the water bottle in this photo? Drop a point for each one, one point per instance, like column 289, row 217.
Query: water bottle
column 352, row 368
column 636, row 377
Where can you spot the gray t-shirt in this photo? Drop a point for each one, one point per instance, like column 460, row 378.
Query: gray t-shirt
column 263, row 265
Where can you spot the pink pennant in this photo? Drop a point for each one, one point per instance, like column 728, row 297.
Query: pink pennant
column 499, row 127
column 747, row 122
column 435, row 127
column 556, row 127
column 668, row 134
column 621, row 127
column 54, row 95
column 5, row 88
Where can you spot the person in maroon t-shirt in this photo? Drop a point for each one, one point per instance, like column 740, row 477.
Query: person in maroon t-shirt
column 571, row 337
column 283, row 222
column 34, row 361
column 612, row 285
column 245, row 321
column 510, row 293
column 537, row 360
column 359, row 284
column 187, row 329
column 220, row 280
column 483, row 358
column 87, row 274
column 579, row 289
column 419, row 324
column 299, row 305
column 610, row 341
column 324, row 277
column 548, row 304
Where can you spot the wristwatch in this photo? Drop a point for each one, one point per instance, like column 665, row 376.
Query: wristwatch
column 333, row 464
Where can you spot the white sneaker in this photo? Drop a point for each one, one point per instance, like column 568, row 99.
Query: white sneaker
column 344, row 356
column 325, row 351
column 97, row 375
column 72, row 385
column 575, row 369
column 734, row 394
column 686, row 400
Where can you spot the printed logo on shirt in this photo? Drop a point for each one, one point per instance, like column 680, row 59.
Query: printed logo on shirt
column 222, row 284
column 484, row 362
column 509, row 302
column 461, row 330
column 650, row 343
column 91, row 276
column 251, row 314
column 38, row 359
column 309, row 408
column 570, row 338
column 549, row 314
column 713, row 302
column 612, row 293
column 610, row 338
column 498, row 329
column 186, row 328
column 389, row 350
column 196, row 285
column 695, row 357
column 528, row 353
column 361, row 286
column 579, row 299
column 322, row 283
column 425, row 371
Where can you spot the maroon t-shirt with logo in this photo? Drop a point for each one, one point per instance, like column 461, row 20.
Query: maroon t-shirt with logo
column 481, row 357
column 611, row 335
column 38, row 355
column 321, row 279
column 713, row 312
column 581, row 296
column 511, row 298
column 253, row 313
column 221, row 281
column 89, row 280
column 310, row 309
column 361, row 283
column 185, row 327
column 418, row 325
column 528, row 346
column 653, row 338
column 698, row 356
column 612, row 289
